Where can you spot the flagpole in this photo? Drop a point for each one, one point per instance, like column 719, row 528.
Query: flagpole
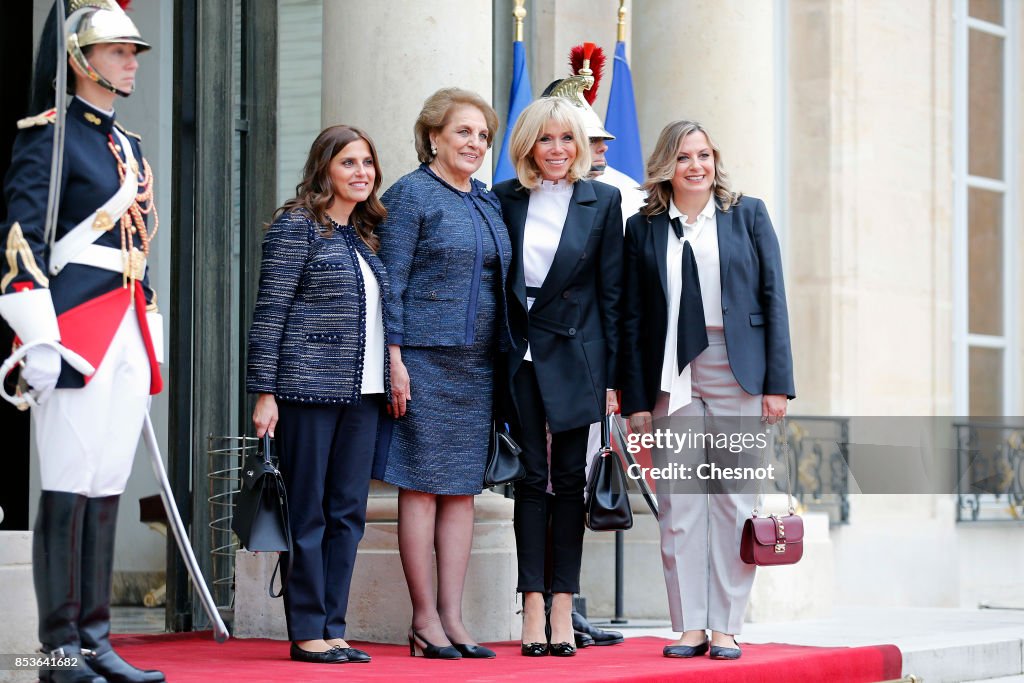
column 520, row 92
column 622, row 22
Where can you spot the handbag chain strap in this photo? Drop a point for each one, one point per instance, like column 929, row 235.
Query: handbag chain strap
column 789, row 479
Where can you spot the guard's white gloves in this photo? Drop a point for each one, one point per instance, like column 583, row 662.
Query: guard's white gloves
column 42, row 368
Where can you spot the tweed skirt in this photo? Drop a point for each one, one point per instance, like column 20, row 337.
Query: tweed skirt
column 440, row 445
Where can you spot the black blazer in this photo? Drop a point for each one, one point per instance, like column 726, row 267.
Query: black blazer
column 573, row 327
column 753, row 304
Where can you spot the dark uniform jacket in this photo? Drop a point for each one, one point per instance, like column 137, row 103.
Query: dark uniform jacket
column 90, row 177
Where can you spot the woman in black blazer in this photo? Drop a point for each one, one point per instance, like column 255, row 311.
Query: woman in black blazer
column 706, row 342
column 563, row 294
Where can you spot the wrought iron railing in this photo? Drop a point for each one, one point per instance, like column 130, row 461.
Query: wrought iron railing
column 989, row 470
column 817, row 456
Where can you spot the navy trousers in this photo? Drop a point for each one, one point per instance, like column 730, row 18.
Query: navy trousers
column 326, row 452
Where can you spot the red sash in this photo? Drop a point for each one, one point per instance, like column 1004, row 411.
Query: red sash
column 89, row 328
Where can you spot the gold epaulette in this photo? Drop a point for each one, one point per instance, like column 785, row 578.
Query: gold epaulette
column 48, row 116
column 128, row 132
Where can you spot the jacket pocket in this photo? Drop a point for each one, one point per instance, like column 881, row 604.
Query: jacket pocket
column 756, row 319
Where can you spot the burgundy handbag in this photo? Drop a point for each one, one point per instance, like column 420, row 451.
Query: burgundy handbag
column 774, row 540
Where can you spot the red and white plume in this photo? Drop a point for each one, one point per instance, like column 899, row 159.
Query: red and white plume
column 577, row 55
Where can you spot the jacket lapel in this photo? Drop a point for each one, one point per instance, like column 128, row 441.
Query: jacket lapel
column 659, row 235
column 726, row 241
column 514, row 215
column 578, row 223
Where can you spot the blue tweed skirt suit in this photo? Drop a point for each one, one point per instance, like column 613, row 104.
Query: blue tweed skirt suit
column 447, row 254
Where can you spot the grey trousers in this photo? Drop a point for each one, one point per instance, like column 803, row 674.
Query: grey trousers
column 701, row 521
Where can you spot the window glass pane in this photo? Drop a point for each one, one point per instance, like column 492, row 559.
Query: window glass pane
column 985, row 105
column 300, row 56
column 985, row 262
column 989, row 10
column 985, row 367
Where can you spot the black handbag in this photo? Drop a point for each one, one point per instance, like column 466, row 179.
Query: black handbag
column 503, row 463
column 261, row 509
column 607, row 502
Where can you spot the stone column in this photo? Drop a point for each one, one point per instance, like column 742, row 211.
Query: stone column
column 713, row 62
column 382, row 59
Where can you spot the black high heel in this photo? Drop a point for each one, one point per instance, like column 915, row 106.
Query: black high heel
column 537, row 649
column 563, row 649
column 428, row 650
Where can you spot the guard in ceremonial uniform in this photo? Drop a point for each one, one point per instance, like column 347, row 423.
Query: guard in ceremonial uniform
column 81, row 280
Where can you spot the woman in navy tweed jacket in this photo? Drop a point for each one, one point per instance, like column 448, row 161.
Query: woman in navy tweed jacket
column 318, row 360
column 447, row 254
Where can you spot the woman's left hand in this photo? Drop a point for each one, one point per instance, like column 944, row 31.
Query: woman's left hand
column 611, row 402
column 773, row 407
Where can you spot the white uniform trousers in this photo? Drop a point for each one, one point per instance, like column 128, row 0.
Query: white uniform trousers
column 87, row 437
column 708, row 585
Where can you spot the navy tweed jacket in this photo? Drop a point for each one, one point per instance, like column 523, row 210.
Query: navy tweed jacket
column 431, row 244
column 308, row 336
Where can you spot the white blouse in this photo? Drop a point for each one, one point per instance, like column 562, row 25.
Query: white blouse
column 702, row 234
column 545, row 218
column 373, row 356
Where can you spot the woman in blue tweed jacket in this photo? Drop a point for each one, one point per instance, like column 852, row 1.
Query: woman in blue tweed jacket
column 447, row 254
column 318, row 360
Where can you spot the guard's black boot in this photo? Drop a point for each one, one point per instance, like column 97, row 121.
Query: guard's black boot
column 599, row 635
column 56, row 572
column 97, row 583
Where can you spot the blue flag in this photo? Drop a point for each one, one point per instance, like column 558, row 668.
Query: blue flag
column 520, row 95
column 624, row 152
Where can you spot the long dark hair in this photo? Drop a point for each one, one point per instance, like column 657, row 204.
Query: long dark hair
column 315, row 193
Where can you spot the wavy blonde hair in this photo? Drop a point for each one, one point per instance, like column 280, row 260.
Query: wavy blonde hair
column 527, row 131
column 661, row 168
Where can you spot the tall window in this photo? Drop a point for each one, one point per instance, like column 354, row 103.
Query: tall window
column 985, row 315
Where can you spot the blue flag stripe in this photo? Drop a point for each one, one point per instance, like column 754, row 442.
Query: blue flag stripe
column 520, row 95
column 624, row 152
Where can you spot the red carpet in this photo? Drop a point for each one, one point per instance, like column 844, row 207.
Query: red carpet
column 196, row 658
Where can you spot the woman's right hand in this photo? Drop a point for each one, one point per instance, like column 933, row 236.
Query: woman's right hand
column 264, row 416
column 401, row 392
column 640, row 423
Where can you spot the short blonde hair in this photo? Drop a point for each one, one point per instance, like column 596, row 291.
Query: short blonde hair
column 661, row 168
column 528, row 129
column 437, row 110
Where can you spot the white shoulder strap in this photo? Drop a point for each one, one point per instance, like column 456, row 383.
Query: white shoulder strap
column 100, row 220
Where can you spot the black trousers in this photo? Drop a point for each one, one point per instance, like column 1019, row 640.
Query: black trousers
column 326, row 452
column 534, row 506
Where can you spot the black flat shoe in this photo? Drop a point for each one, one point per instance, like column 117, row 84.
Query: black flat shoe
column 534, row 649
column 562, row 649
column 686, row 651
column 598, row 636
column 719, row 652
column 420, row 646
column 333, row 656
column 356, row 655
column 474, row 651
